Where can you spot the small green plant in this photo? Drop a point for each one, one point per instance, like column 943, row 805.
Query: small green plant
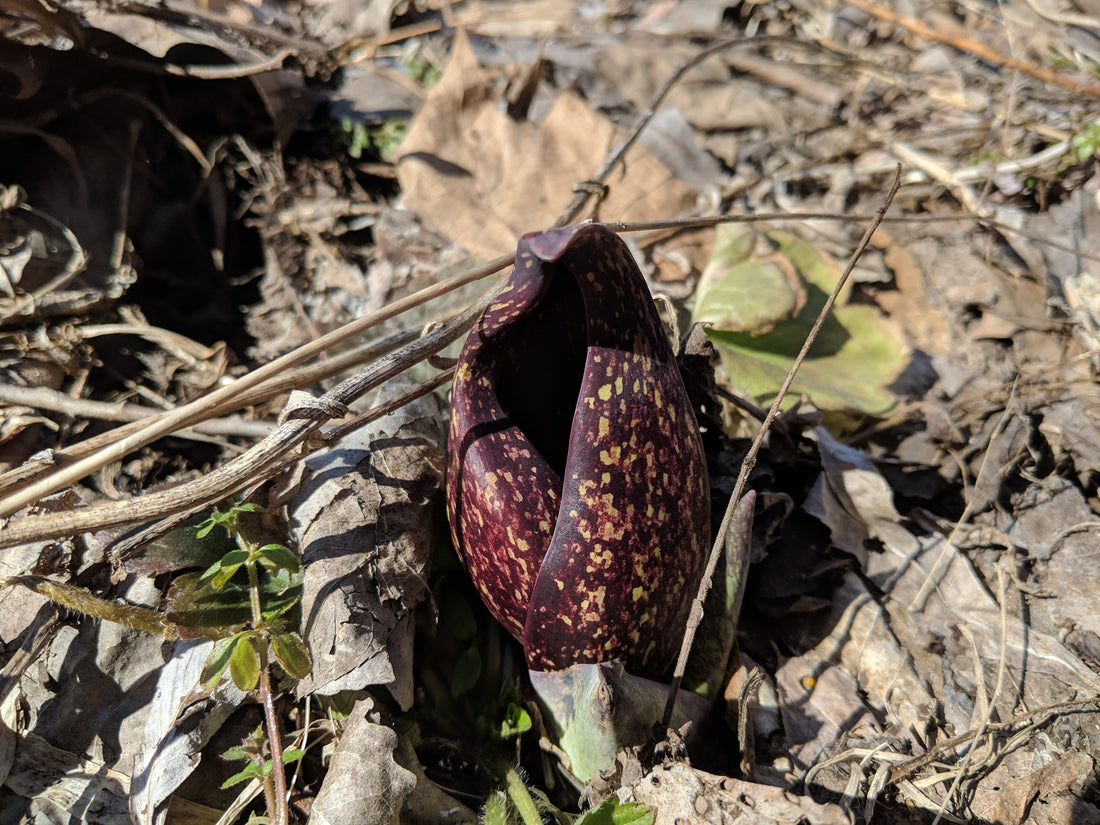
column 423, row 71
column 518, row 803
column 244, row 600
column 1086, row 144
column 267, row 569
column 380, row 140
column 252, row 750
column 245, row 652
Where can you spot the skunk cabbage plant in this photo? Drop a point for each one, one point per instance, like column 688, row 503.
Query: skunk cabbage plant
column 577, row 493
column 577, row 486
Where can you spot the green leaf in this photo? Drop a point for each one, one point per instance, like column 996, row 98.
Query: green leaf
column 278, row 557
column 244, row 663
column 222, row 577
column 198, row 609
column 221, row 571
column 217, row 662
column 613, row 812
column 237, row 753
column 737, row 294
column 857, row 355
column 467, row 669
column 292, row 755
column 281, row 580
column 252, row 771
column 292, row 654
column 517, row 721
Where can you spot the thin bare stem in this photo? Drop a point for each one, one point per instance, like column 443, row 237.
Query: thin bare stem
column 259, row 461
column 277, row 800
column 581, row 196
column 190, row 413
column 298, row 377
column 696, row 614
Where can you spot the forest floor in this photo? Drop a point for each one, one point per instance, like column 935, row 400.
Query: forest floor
column 224, row 225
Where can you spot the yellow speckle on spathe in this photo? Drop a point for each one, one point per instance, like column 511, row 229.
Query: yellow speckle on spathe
column 567, row 621
column 490, row 478
column 522, row 545
column 605, row 426
column 619, row 385
column 657, row 402
column 604, row 392
column 560, row 584
column 544, row 527
column 598, row 596
column 649, row 511
column 637, row 385
column 637, row 593
column 606, row 478
column 611, row 456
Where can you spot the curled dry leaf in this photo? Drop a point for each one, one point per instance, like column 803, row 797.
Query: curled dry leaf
column 364, row 783
column 181, row 720
column 364, row 522
column 686, row 796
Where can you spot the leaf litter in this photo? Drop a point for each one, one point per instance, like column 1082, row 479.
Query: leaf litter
column 923, row 599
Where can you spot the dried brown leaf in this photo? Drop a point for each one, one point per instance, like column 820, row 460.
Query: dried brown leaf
column 364, row 523
column 485, row 179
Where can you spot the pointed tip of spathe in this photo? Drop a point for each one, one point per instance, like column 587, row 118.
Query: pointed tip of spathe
column 549, row 245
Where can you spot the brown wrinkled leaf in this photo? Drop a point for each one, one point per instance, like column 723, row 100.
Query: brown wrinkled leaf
column 364, row 523
column 364, row 783
column 933, row 592
column 181, row 720
column 682, row 794
column 1066, row 775
column 821, row 705
column 485, row 179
